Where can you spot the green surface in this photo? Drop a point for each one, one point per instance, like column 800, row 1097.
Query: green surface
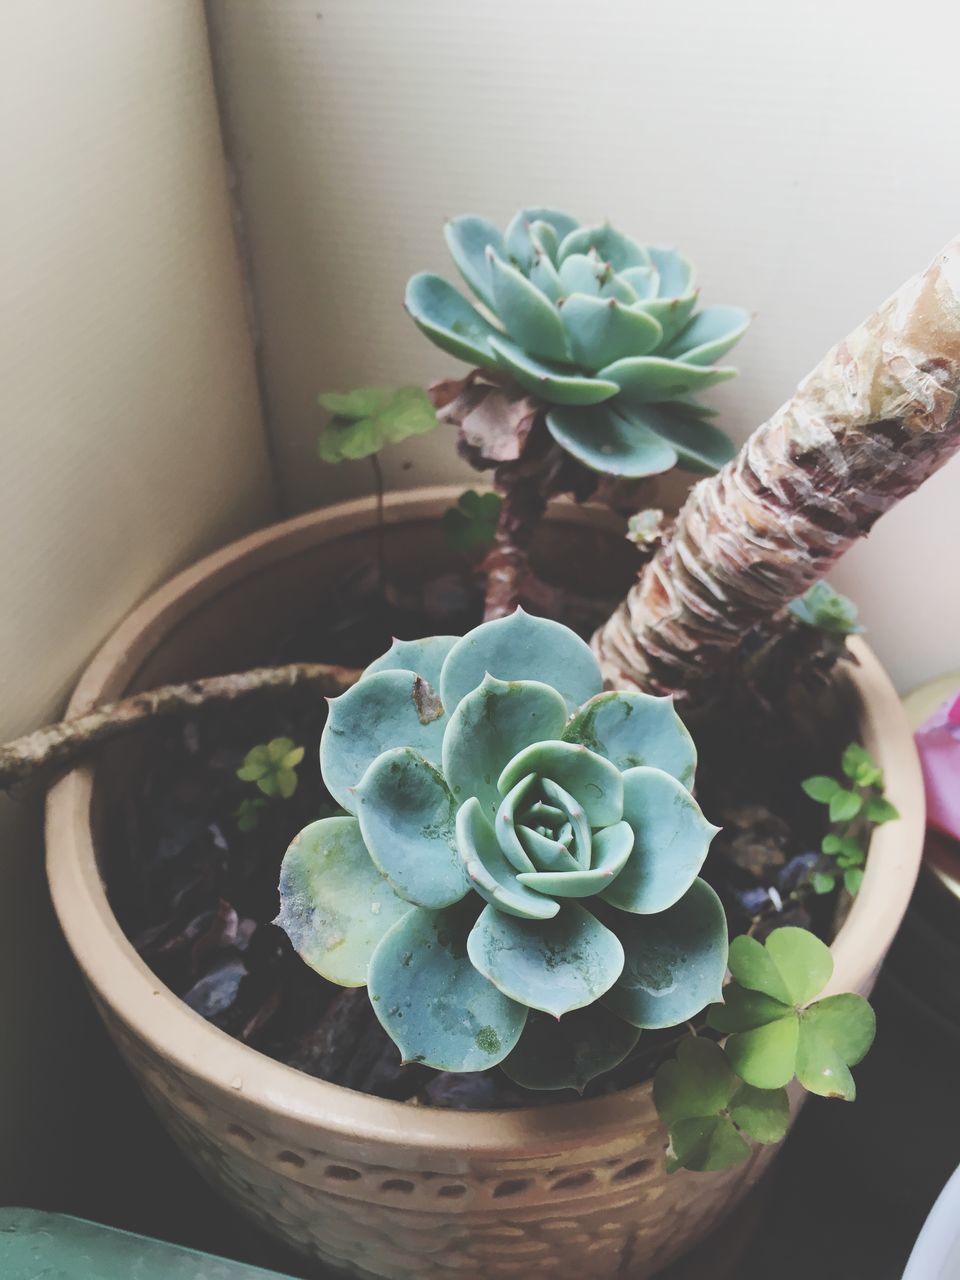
column 57, row 1247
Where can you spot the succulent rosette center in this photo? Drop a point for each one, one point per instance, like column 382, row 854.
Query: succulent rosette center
column 515, row 840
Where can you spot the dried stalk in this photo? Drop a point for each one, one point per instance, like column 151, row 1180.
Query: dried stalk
column 62, row 743
column 506, row 565
column 878, row 415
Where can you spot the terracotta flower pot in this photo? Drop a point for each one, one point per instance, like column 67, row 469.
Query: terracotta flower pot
column 381, row 1188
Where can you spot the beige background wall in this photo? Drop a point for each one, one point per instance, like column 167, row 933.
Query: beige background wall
column 803, row 154
column 131, row 440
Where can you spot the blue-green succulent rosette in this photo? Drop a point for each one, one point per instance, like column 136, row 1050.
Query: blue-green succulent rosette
column 601, row 328
column 517, row 843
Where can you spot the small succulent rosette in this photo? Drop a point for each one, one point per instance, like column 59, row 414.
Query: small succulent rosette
column 517, row 844
column 602, row 329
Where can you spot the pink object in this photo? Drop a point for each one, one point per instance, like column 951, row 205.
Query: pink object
column 938, row 741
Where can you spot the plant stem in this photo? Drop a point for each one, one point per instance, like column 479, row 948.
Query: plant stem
column 878, row 415
column 506, row 564
column 62, row 743
column 381, row 525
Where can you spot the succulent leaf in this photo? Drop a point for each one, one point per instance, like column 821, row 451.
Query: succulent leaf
column 619, row 250
column 670, row 313
column 601, row 330
column 709, row 335
column 569, row 1052
column 675, row 272
column 605, row 440
column 610, row 849
column 335, row 905
column 407, row 818
column 432, row 1002
column 525, row 233
column 662, row 814
column 552, row 965
column 491, row 875
column 521, row 647
column 490, row 726
column 632, row 729
column 595, row 784
column 698, row 444
column 425, row 657
column 384, row 710
column 449, row 321
column 468, row 239
column 558, row 386
column 647, row 379
column 675, row 961
column 528, row 316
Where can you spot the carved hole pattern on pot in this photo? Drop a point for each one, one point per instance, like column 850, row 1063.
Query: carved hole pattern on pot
column 291, row 1158
column 573, row 1180
column 342, row 1173
column 397, row 1184
column 510, row 1187
column 241, row 1134
column 633, row 1170
column 452, row 1191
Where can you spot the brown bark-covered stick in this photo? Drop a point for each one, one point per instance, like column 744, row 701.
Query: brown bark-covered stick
column 506, row 564
column 878, row 415
column 61, row 743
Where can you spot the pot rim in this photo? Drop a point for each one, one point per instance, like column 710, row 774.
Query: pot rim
column 123, row 981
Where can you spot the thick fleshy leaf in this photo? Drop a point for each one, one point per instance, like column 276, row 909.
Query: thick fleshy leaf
column 468, row 239
column 522, row 240
column 763, row 1114
column 645, row 379
column 675, row 271
column 835, row 1033
column 506, row 825
column 425, row 657
column 547, row 381
column 407, row 819
column 449, row 321
column 697, row 1082
column 612, row 246
column 633, row 729
column 579, row 828
column 604, row 440
column 384, row 710
column 591, row 779
column 527, row 315
column 489, row 727
column 521, row 647
column 742, row 1009
column 752, row 966
column 644, row 281
column 699, row 445
column 610, row 848
column 568, row 1052
column 601, row 330
column 766, row 1057
column 432, row 1002
column 804, row 962
column 675, row 961
column 671, row 841
column 546, row 854
column 335, row 905
column 491, row 875
column 546, row 277
column 553, row 965
column 582, row 273
column 705, row 1145
column 670, row 313
column 710, row 334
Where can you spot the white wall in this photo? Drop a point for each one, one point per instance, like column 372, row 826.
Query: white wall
column 805, row 155
column 131, row 441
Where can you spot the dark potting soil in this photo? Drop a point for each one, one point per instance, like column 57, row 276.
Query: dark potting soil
column 196, row 893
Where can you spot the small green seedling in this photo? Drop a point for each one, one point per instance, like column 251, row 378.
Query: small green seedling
column 856, row 806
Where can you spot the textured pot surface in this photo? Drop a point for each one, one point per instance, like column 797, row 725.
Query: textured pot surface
column 380, row 1188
